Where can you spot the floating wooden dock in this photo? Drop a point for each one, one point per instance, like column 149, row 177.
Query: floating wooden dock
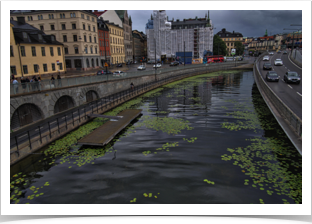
column 110, row 129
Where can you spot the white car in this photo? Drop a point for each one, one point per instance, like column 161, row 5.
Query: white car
column 141, row 67
column 266, row 58
column 158, row 65
column 278, row 61
column 119, row 73
column 271, row 53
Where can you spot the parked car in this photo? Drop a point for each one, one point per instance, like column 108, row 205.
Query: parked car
column 118, row 73
column 119, row 65
column 128, row 63
column 285, row 52
column 151, row 62
column 240, row 58
column 279, row 52
column 272, row 76
column 158, row 65
column 278, row 61
column 267, row 66
column 135, row 62
column 141, row 67
column 266, row 58
column 291, row 77
column 103, row 72
column 175, row 63
column 271, row 53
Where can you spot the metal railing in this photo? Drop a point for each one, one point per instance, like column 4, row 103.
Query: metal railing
column 29, row 87
column 292, row 119
column 34, row 136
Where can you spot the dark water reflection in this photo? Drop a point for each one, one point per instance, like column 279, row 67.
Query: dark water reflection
column 135, row 170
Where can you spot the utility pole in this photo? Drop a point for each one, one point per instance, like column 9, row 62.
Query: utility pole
column 184, row 53
column 292, row 48
column 155, row 59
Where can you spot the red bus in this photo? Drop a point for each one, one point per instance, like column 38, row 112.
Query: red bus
column 215, row 59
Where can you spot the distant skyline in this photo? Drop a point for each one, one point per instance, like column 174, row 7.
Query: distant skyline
column 250, row 23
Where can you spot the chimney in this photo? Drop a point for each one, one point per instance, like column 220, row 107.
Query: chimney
column 21, row 19
column 233, row 31
column 95, row 10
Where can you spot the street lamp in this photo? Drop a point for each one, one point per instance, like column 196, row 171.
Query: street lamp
column 292, row 48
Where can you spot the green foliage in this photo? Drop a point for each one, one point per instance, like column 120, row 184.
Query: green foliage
column 217, row 41
column 239, row 47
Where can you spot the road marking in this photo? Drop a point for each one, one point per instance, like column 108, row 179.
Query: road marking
column 299, row 94
column 289, row 86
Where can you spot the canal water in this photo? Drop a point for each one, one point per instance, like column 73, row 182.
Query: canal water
column 207, row 139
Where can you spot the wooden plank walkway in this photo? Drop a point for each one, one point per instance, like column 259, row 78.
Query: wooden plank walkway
column 110, row 129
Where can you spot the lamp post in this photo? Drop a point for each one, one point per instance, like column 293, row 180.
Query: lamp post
column 155, row 58
column 292, row 48
column 184, row 53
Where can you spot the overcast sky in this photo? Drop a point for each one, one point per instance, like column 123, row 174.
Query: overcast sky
column 250, row 23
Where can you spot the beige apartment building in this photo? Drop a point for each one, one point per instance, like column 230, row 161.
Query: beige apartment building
column 77, row 30
column 230, row 38
column 116, row 39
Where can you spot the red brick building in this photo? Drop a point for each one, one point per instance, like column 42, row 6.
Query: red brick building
column 104, row 44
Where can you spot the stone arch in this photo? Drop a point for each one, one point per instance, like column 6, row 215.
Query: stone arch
column 92, row 63
column 91, row 95
column 26, row 114
column 88, row 64
column 65, row 102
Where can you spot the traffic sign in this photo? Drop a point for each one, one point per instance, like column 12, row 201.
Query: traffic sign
column 106, row 65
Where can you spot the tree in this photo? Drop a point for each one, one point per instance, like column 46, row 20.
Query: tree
column 239, row 47
column 217, row 41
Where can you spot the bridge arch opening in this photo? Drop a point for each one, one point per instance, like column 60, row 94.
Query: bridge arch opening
column 91, row 95
column 63, row 103
column 25, row 114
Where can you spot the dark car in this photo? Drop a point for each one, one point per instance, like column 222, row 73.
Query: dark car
column 128, row 63
column 103, row 72
column 292, row 77
column 175, row 63
column 279, row 52
column 285, row 52
column 267, row 66
column 272, row 76
column 119, row 65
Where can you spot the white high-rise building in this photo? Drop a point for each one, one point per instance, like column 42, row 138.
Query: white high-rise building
column 170, row 36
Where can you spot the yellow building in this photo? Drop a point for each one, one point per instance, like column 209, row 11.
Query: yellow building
column 77, row 30
column 33, row 52
column 230, row 38
column 116, row 39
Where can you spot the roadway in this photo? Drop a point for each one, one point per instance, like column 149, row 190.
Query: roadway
column 290, row 94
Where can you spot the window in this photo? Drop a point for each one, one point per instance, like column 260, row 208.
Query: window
column 51, row 51
column 40, row 37
column 53, row 66
column 74, row 26
column 85, row 38
column 89, row 28
column 25, row 35
column 86, row 50
column 13, row 70
column 76, row 50
column 52, row 37
column 91, row 50
column 52, row 27
column 11, row 51
column 90, row 38
column 63, row 27
column 82, row 16
column 96, row 50
column 66, row 50
column 84, row 26
column 59, row 51
column 92, row 19
column 12, row 18
column 41, row 28
column 36, row 68
column 64, row 38
column 75, row 38
column 23, row 53
column 74, row 14
column 88, row 17
column 25, row 70
column 45, row 67
column 43, row 51
column 61, row 66
column 33, row 51
column 94, row 29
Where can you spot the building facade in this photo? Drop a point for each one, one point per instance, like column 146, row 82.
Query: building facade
column 139, row 46
column 168, row 37
column 32, row 52
column 127, row 27
column 75, row 29
column 104, row 42
column 230, row 38
column 116, row 40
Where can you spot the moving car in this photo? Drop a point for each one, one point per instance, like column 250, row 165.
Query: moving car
column 158, row 65
column 175, row 63
column 266, row 58
column 272, row 76
column 119, row 73
column 278, row 61
column 271, row 53
column 267, row 66
column 291, row 77
column 151, row 62
column 279, row 52
column 119, row 65
column 285, row 52
column 129, row 63
column 141, row 67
